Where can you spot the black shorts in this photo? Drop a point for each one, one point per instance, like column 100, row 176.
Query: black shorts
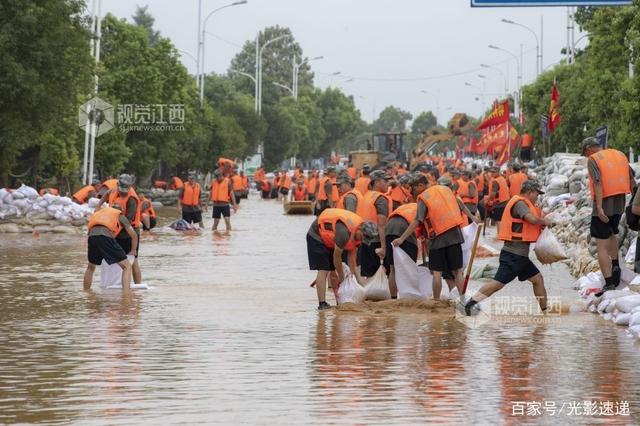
column 101, row 247
column 265, row 194
column 320, row 257
column 324, row 204
column 601, row 230
column 152, row 224
column 446, row 258
column 284, row 191
column 224, row 211
column 408, row 247
column 238, row 197
column 525, row 154
column 192, row 217
column 368, row 259
column 496, row 213
column 312, row 197
column 125, row 243
column 512, row 266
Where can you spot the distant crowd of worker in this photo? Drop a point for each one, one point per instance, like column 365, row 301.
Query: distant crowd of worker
column 363, row 213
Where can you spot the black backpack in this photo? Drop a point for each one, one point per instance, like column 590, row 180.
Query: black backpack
column 633, row 220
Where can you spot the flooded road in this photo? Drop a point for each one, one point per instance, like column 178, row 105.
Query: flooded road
column 229, row 333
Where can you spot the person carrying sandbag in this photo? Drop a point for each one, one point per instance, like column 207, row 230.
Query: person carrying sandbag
column 332, row 233
column 610, row 179
column 520, row 226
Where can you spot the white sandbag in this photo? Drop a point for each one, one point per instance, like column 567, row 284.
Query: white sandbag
column 15, row 195
column 469, row 234
column 631, row 253
column 626, row 275
column 93, row 202
column 406, row 272
column 425, row 281
column 635, row 318
column 607, row 316
column 634, row 331
column 111, row 276
column 377, row 287
column 548, row 249
column 28, row 192
column 627, row 303
column 622, row 319
column 350, row 291
column 3, row 194
column 9, row 228
column 610, row 307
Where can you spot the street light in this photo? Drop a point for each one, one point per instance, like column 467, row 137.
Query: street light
column 254, row 82
column 296, row 70
column 504, row 76
column 517, row 97
column 290, row 90
column 259, row 68
column 538, row 51
column 437, row 98
column 185, row 53
column 201, row 51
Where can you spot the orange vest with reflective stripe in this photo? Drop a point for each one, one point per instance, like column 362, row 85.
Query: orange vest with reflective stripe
column 369, row 211
column 191, row 194
column 82, row 194
column 299, row 193
column 614, row 173
column 327, row 224
column 463, row 192
column 503, row 189
column 359, row 202
column 237, row 183
column 220, row 191
column 148, row 210
column 408, row 212
column 116, row 198
column 443, row 212
column 515, row 183
column 512, row 229
column 362, row 184
column 107, row 217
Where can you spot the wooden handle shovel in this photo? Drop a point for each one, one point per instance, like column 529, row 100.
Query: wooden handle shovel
column 470, row 265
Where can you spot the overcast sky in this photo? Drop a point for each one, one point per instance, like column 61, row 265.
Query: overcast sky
column 393, row 49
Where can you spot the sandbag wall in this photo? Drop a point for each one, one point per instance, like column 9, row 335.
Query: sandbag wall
column 23, row 211
column 568, row 201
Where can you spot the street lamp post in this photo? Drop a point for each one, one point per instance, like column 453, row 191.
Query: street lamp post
column 254, row 82
column 259, row 67
column 519, row 79
column 201, row 45
column 538, row 50
column 287, row 88
column 437, row 98
column 504, row 76
column 296, row 71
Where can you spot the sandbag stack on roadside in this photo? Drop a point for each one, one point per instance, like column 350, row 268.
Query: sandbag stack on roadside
column 23, row 211
column 568, row 202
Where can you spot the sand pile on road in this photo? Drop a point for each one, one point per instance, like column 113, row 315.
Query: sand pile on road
column 400, row 306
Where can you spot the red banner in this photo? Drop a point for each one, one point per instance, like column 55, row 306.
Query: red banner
column 554, row 108
column 499, row 115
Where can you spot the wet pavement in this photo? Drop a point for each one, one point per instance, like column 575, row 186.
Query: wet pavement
column 229, row 334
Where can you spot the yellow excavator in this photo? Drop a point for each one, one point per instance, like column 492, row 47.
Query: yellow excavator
column 383, row 148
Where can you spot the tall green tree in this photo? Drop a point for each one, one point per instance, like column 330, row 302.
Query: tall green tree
column 423, row 122
column 392, row 119
column 144, row 19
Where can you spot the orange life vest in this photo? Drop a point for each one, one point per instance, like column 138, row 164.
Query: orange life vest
column 176, row 183
column 299, row 193
column 327, row 222
column 512, row 229
column 160, row 184
column 614, row 173
column 465, row 218
column 463, row 192
column 107, row 217
column 191, row 195
column 111, row 184
column 515, row 183
column 360, row 209
column 245, row 182
column 443, row 207
column 362, row 184
column 225, row 163
column 399, row 194
column 527, row 141
column 265, row 186
column 149, row 209
column 296, row 174
column 220, row 191
column 52, row 191
column 503, row 189
column 237, row 183
column 116, row 198
column 322, row 195
column 82, row 195
column 351, row 171
column 286, row 182
column 479, row 180
column 369, row 211
column 408, row 212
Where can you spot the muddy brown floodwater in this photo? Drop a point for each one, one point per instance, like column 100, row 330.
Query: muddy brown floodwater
column 229, row 333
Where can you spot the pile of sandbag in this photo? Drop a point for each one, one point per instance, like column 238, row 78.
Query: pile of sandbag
column 23, row 211
column 567, row 201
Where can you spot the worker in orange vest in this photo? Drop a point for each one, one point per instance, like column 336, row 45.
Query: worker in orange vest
column 312, row 184
column 498, row 195
column 439, row 213
column 245, row 184
column 350, row 198
column 610, row 180
column 111, row 184
column 189, row 201
column 284, row 185
column 236, row 185
column 327, row 193
column 334, row 232
column 362, row 183
column 399, row 221
column 377, row 208
column 82, row 195
column 397, row 192
column 352, row 172
column 104, row 225
column 300, row 192
column 520, row 226
column 526, row 147
column 516, row 179
column 222, row 196
column 176, row 183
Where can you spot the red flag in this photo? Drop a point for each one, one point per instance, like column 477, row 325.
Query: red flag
column 497, row 136
column 554, row 108
column 499, row 115
column 473, row 146
column 507, row 149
